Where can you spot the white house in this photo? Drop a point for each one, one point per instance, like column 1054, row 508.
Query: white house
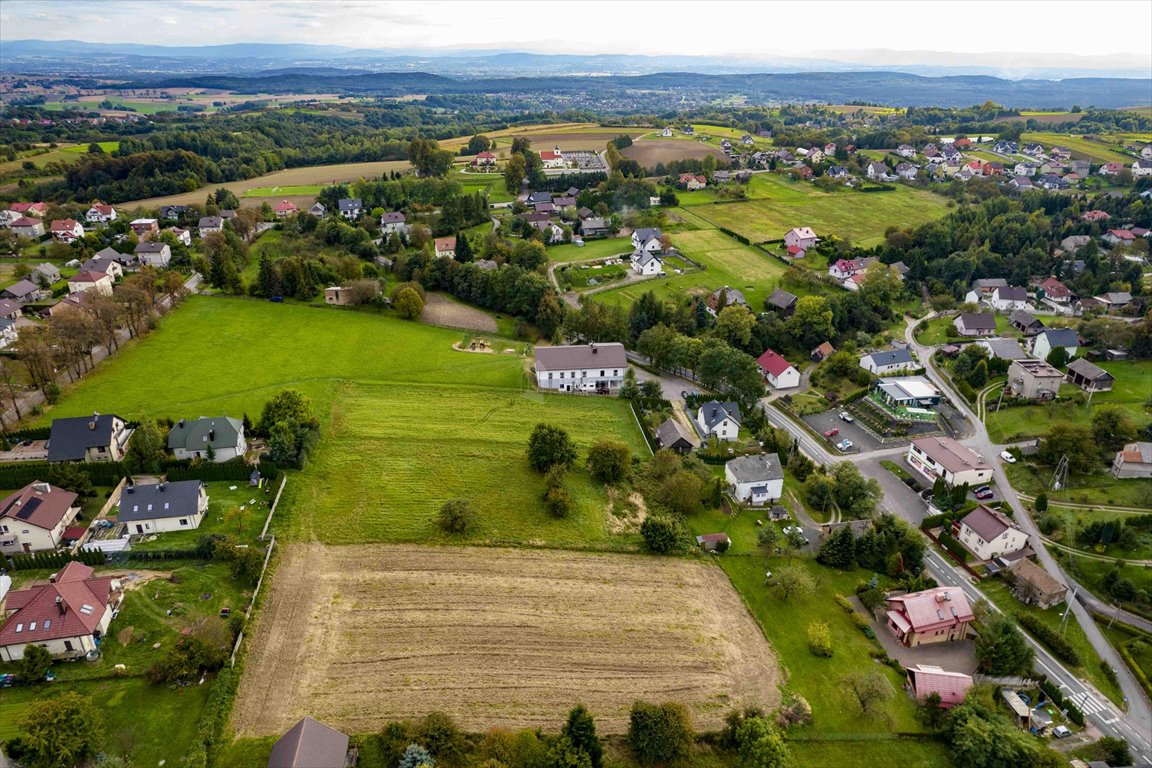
column 598, row 368
column 445, row 247
column 647, row 239
column 1008, row 298
column 647, row 263
column 8, row 334
column 192, row 439
column 33, row 518
column 887, row 362
column 842, row 269
column 778, row 372
column 989, row 534
column 719, row 420
column 757, row 479
column 944, row 457
column 667, row 132
column 163, row 507
column 393, row 221
column 154, row 254
column 350, row 207
column 1050, row 338
column 67, row 616
column 1142, row 167
column 182, row 235
column 66, row 230
column 101, row 282
column 100, row 214
column 801, row 237
column 209, row 224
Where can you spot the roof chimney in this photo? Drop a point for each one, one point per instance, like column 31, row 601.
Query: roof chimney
column 943, row 597
column 211, row 435
column 593, row 348
column 41, row 487
column 60, row 606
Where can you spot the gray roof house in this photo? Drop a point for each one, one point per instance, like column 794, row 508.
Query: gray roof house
column 1024, row 321
column 163, row 507
column 781, row 299
column 975, row 324
column 125, row 259
column 154, row 254
column 310, row 744
column 25, row 291
column 887, row 361
column 350, row 208
column 1089, row 376
column 1004, row 349
column 757, row 479
column 99, row 437
column 674, row 437
column 720, row 420
column 192, row 439
column 50, row 273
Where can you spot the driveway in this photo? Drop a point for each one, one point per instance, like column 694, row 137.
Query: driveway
column 861, row 438
column 955, row 656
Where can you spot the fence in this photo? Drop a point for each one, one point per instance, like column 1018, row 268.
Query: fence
column 255, row 594
column 272, row 510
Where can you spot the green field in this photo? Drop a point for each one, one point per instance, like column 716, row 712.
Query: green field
column 490, row 183
column 108, row 146
column 592, row 249
column 286, row 191
column 1132, row 393
column 859, row 217
column 1082, row 148
column 727, row 262
column 934, row 332
column 907, row 753
column 393, row 454
column 1100, row 488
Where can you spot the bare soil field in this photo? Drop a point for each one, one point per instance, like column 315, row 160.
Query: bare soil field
column 650, row 152
column 440, row 310
column 359, row 636
column 318, row 174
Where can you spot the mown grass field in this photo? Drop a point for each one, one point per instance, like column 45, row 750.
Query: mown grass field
column 1100, row 488
column 592, row 249
column 287, row 190
column 935, row 332
column 1082, row 148
column 228, row 356
column 859, row 217
column 393, row 454
column 1131, row 393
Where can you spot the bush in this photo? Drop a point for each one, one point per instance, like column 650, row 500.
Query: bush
column 794, row 710
column 662, row 534
column 457, row 516
column 34, row 666
column 659, row 733
column 820, row 639
column 1052, row 639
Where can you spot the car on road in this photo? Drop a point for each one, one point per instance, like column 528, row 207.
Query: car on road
column 832, row 432
column 844, row 445
column 984, row 493
column 1007, row 457
column 845, row 416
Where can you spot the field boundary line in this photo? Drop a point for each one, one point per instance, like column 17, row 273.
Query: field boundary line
column 272, row 511
column 255, row 594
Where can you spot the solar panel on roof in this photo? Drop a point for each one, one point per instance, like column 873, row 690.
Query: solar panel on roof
column 29, row 507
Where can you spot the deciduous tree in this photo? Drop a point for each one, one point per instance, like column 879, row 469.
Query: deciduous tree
column 609, row 461
column 659, row 734
column 550, row 446
column 61, row 732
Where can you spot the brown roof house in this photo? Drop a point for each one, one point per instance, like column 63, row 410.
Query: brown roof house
column 933, row 616
column 1134, row 460
column 1033, row 585
column 310, row 744
column 67, row 616
column 987, row 533
column 1089, row 376
column 33, row 519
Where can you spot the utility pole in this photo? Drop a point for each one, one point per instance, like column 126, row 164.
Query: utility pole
column 1060, row 477
column 1068, row 610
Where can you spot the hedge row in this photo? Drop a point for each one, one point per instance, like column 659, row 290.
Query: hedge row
column 19, row 475
column 1055, row 642
column 1057, row 697
column 231, row 470
column 954, row 546
column 55, row 559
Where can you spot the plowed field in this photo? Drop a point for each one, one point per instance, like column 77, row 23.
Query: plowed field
column 359, row 636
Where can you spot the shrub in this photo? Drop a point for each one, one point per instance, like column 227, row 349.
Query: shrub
column 34, row 666
column 843, row 602
column 457, row 516
column 550, row 446
column 659, row 733
column 662, row 534
column 1054, row 641
column 794, row 710
column 820, row 639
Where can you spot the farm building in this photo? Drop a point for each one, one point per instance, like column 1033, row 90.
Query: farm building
column 192, row 439
column 1089, row 376
column 887, row 361
column 988, row 534
column 596, row 367
column 719, row 420
column 33, row 518
column 778, row 372
column 1025, row 322
column 757, row 479
column 1133, row 460
column 925, row 680
column 95, row 438
column 946, row 458
column 672, row 436
column 163, row 507
column 1033, row 379
column 68, row 616
column 1033, row 585
column 933, row 616
column 310, row 744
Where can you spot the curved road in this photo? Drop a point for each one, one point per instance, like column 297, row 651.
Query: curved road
column 1135, row 726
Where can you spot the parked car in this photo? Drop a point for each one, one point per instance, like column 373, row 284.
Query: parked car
column 985, row 494
column 844, row 445
column 789, row 530
column 1007, row 457
column 845, row 416
column 1061, row 732
column 832, row 432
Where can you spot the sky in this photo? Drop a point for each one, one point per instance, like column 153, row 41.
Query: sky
column 880, row 31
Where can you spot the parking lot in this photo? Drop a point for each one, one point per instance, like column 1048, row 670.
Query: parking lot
column 862, row 440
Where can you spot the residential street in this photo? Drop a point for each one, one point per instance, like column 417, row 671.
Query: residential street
column 1135, row 726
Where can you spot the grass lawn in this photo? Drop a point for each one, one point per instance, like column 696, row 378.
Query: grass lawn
column 1089, row 667
column 935, row 332
column 490, row 183
column 382, row 478
column 907, row 753
column 108, row 146
column 159, row 723
column 1090, row 574
column 727, row 262
column 1135, row 648
column 1130, row 393
column 1101, row 488
column 592, row 249
column 287, row 191
column 1082, row 148
column 229, row 512
column 859, row 217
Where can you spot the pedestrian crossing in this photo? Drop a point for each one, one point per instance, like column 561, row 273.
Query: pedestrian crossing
column 1087, row 704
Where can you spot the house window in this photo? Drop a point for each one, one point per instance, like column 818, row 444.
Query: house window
column 601, row 373
column 561, row 374
column 549, row 377
column 32, row 627
column 183, row 521
column 47, row 623
column 19, row 627
column 68, row 645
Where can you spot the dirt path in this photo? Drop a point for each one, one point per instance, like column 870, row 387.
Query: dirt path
column 358, row 636
column 442, row 311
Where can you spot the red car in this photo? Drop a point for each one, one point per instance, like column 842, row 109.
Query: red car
column 832, row 432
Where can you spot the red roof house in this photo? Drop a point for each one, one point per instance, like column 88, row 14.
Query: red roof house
column 778, row 372
column 1096, row 216
column 67, row 230
column 1055, row 290
column 29, row 209
column 66, row 616
column 33, row 518
column 926, row 680
column 484, row 158
column 284, row 208
column 933, row 616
